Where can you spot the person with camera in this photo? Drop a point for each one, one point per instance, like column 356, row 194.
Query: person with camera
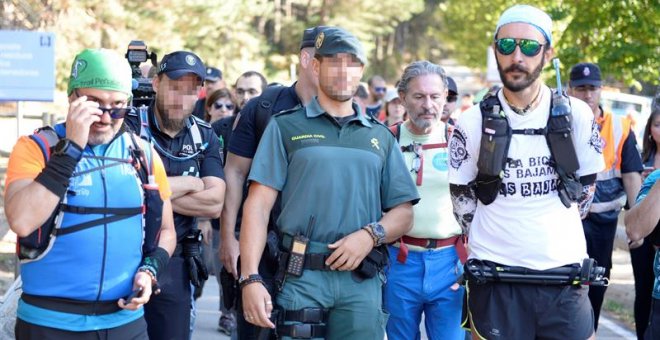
column 191, row 154
column 522, row 169
column 76, row 197
column 337, row 170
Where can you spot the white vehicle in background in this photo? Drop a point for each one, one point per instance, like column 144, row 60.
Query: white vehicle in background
column 637, row 108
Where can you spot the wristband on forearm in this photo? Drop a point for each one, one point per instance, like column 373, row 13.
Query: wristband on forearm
column 155, row 262
column 57, row 173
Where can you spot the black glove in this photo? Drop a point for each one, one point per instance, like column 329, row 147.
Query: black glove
column 192, row 254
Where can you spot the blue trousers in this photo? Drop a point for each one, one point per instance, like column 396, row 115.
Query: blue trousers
column 422, row 285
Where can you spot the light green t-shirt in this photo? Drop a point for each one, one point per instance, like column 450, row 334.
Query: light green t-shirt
column 434, row 216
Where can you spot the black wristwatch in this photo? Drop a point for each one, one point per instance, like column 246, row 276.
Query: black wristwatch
column 68, row 148
column 378, row 231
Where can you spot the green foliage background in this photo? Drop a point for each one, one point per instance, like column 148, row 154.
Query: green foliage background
column 264, row 35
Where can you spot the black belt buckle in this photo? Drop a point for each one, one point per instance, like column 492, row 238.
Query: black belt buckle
column 301, row 331
column 431, row 243
column 311, row 315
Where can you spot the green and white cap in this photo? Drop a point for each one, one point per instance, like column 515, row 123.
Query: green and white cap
column 100, row 69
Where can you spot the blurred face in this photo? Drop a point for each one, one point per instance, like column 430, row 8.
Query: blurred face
column 378, row 89
column 589, row 94
column 517, row 70
column 395, row 110
column 247, row 88
column 223, row 107
column 339, row 76
column 103, row 131
column 424, row 100
column 175, row 99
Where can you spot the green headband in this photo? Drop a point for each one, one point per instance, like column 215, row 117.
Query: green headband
column 100, row 69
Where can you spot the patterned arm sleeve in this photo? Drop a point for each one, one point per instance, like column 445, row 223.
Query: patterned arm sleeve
column 464, row 201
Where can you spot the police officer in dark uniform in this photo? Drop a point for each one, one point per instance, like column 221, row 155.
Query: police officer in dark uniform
column 191, row 154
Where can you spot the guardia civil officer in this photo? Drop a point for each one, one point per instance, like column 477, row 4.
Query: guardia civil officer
column 191, row 153
column 75, row 197
column 337, row 170
column 243, row 141
column 528, row 214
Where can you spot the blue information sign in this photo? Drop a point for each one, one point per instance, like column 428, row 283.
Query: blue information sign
column 27, row 66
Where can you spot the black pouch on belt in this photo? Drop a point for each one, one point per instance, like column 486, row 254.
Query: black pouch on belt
column 375, row 261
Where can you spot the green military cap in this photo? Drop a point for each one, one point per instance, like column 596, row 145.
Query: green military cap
column 333, row 40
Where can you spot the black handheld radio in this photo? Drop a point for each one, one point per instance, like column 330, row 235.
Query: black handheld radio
column 298, row 249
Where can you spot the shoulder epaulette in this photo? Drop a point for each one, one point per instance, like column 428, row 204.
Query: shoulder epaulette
column 200, row 122
column 288, row 111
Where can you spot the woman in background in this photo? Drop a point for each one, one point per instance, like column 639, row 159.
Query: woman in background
column 642, row 255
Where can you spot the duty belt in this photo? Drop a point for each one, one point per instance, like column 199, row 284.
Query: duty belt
column 458, row 241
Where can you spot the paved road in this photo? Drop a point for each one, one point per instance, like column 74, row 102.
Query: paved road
column 207, row 319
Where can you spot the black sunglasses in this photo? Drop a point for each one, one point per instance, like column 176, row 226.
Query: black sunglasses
column 528, row 47
column 115, row 112
column 380, row 89
column 451, row 98
column 218, row 106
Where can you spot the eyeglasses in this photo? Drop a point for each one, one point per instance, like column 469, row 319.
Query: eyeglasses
column 228, row 106
column 380, row 89
column 528, row 47
column 115, row 112
column 451, row 98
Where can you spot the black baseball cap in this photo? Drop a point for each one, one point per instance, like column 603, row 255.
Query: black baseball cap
column 177, row 64
column 451, row 86
column 585, row 74
column 309, row 36
column 213, row 74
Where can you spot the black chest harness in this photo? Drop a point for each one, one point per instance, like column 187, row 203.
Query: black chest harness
column 496, row 138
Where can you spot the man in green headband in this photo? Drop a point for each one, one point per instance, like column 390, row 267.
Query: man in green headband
column 75, row 196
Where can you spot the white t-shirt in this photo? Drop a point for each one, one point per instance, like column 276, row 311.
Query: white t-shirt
column 526, row 225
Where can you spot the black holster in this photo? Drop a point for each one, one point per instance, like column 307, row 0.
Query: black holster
column 375, row 262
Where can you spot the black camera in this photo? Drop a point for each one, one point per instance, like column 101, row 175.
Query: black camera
column 143, row 90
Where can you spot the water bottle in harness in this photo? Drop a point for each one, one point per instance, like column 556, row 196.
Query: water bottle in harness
column 496, row 138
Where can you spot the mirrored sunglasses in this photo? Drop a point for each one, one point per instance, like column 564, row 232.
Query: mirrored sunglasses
column 528, row 47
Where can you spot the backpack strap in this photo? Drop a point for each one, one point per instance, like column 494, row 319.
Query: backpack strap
column 46, row 138
column 265, row 108
column 396, row 130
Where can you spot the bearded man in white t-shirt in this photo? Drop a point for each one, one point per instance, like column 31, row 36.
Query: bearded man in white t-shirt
column 525, row 223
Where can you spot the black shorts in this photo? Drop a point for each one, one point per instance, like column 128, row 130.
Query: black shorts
column 135, row 330
column 524, row 311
